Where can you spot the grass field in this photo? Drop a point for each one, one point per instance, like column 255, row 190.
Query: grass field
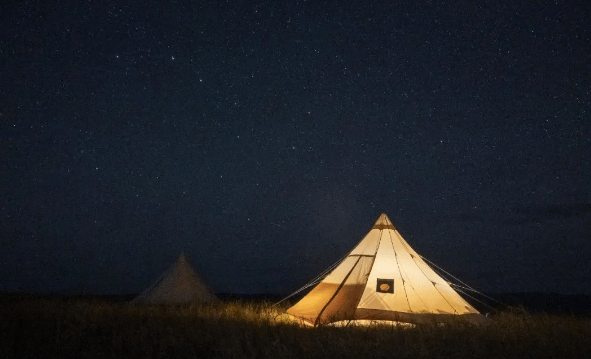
column 98, row 328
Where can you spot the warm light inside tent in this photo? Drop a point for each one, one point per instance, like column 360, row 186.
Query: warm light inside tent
column 383, row 278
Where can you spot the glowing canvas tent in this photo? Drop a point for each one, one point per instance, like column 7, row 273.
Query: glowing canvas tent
column 179, row 284
column 383, row 278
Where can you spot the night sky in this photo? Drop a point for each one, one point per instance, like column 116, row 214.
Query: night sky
column 264, row 140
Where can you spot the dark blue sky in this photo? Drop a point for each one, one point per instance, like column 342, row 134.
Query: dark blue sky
column 264, row 139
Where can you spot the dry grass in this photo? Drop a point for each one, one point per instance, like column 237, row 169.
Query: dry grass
column 43, row 328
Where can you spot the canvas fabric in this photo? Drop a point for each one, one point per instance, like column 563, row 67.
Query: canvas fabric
column 382, row 278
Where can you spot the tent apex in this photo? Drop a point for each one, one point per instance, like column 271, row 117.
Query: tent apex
column 383, row 222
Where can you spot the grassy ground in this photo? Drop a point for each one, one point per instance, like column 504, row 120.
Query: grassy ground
column 87, row 328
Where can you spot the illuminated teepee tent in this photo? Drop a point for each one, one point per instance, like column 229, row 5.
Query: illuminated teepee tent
column 178, row 285
column 383, row 278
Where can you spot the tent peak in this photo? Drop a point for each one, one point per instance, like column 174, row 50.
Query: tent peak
column 383, row 222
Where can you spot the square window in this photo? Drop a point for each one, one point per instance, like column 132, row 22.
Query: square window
column 385, row 286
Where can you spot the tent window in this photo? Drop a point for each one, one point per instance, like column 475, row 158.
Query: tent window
column 385, row 285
